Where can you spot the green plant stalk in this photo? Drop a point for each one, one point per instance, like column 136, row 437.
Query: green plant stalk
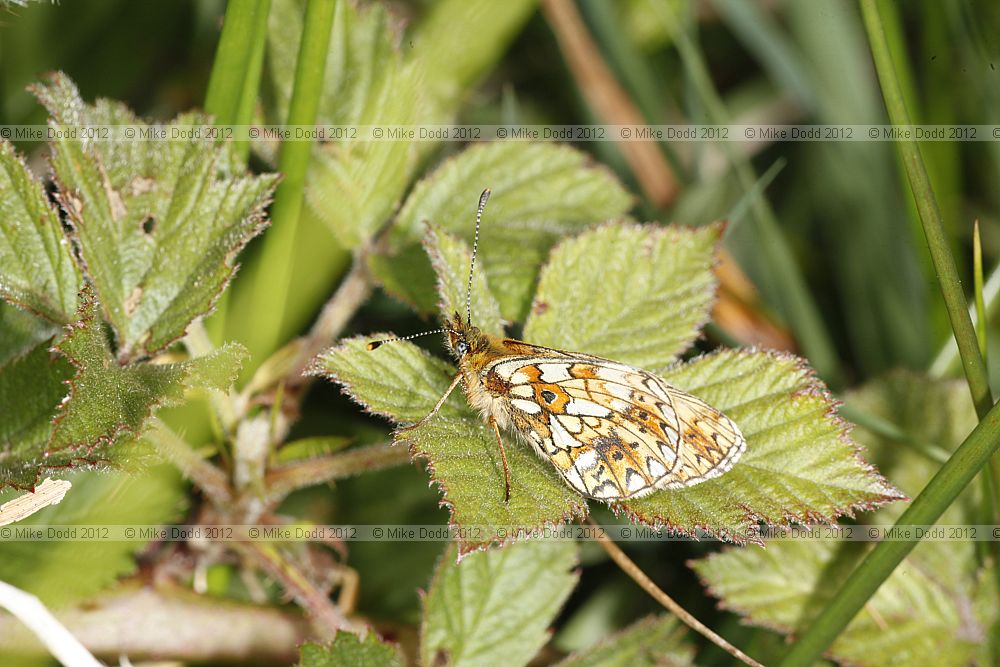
column 274, row 271
column 236, row 70
column 930, row 216
column 282, row 480
column 786, row 281
column 232, row 90
column 925, row 510
column 944, row 263
column 977, row 278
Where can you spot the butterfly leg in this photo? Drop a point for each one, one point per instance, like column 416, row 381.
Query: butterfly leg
column 503, row 459
column 434, row 411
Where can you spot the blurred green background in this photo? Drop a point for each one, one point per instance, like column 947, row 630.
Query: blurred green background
column 825, row 231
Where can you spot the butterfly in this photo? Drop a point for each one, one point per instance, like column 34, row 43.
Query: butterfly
column 612, row 431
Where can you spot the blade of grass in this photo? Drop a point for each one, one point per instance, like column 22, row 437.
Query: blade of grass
column 232, row 91
column 274, row 271
column 977, row 279
column 977, row 449
column 235, row 77
column 925, row 510
column 946, row 360
column 930, row 216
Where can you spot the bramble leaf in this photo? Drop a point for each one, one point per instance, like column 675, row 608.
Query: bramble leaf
column 930, row 611
column 451, row 258
column 158, row 223
column 541, row 193
column 453, row 50
column 495, row 607
column 109, row 402
column 463, row 459
column 915, row 617
column 631, row 275
column 355, row 184
column 36, row 266
column 348, row 649
column 651, row 642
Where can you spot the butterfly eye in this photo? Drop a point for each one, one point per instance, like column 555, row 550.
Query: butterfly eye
column 462, row 348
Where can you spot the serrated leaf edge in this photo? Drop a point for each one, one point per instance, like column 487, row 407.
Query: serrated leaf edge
column 88, row 301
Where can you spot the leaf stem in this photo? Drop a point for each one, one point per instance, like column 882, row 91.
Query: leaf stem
column 212, row 481
column 925, row 510
column 274, row 271
column 282, row 480
column 326, row 617
column 353, row 291
column 629, row 567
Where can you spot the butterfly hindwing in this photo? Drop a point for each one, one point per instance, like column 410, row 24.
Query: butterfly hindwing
column 613, row 431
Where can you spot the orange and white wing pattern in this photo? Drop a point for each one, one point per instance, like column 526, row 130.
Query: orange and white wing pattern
column 614, row 432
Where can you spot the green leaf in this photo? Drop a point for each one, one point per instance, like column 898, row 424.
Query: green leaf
column 109, row 402
column 928, row 612
column 800, row 465
column 541, row 192
column 31, row 387
column 158, row 223
column 495, row 607
column 915, row 618
column 932, row 412
column 451, row 259
column 367, row 83
column 463, row 459
column 651, row 642
column 348, row 649
column 36, row 266
column 65, row 571
column 628, row 276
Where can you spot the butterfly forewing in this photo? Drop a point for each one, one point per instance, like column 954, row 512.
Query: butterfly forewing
column 613, row 432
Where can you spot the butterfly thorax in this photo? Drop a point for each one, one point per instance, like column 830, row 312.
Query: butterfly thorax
column 475, row 350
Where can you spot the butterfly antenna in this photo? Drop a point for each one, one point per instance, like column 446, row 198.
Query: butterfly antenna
column 379, row 343
column 483, row 198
